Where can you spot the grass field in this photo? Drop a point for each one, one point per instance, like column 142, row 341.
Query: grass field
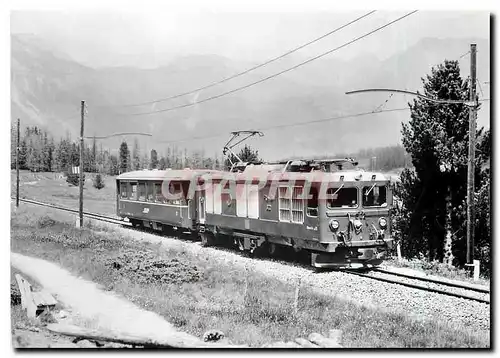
column 197, row 293
column 52, row 188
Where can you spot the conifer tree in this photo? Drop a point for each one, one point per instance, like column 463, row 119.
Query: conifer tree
column 432, row 219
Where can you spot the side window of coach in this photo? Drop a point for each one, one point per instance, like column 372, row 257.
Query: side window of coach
column 123, row 190
column 141, row 192
column 159, row 198
column 150, row 191
column 132, row 192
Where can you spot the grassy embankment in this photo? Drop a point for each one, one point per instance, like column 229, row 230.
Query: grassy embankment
column 196, row 293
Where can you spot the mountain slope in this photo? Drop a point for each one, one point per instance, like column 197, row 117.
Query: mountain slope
column 47, row 88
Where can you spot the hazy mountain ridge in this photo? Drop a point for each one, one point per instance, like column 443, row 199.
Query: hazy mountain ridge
column 47, row 90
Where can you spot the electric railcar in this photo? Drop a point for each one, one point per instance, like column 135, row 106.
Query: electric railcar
column 339, row 217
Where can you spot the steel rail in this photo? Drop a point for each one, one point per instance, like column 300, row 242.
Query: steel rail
column 96, row 216
column 423, row 288
column 433, row 280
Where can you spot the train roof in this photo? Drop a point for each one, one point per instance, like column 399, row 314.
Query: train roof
column 253, row 173
column 170, row 174
column 314, row 176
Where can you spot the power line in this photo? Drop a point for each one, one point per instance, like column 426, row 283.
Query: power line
column 464, row 54
column 296, row 124
column 118, row 134
column 276, row 74
column 480, row 87
column 278, row 126
column 252, row 68
column 436, row 100
column 383, row 104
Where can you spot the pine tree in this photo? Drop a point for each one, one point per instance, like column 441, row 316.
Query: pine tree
column 113, row 165
column 98, row 182
column 145, row 161
column 162, row 163
column 246, row 154
column 124, row 156
column 13, row 145
column 129, row 162
column 433, row 193
column 154, row 160
column 74, row 160
column 168, row 158
column 136, row 156
column 93, row 157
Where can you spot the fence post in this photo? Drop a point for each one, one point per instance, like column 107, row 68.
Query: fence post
column 296, row 298
column 476, row 270
column 398, row 248
column 246, row 286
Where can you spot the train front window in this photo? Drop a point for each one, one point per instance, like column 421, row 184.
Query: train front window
column 374, row 195
column 342, row 197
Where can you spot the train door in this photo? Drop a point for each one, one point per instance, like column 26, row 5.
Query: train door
column 241, row 200
column 253, row 201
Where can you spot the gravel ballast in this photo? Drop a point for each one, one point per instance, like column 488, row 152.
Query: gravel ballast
column 418, row 304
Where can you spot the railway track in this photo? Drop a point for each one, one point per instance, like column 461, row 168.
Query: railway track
column 470, row 287
column 431, row 284
column 100, row 217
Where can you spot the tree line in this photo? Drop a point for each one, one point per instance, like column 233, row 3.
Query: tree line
column 39, row 152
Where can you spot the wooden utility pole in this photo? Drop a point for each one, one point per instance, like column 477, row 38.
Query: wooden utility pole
column 17, row 160
column 81, row 164
column 470, row 167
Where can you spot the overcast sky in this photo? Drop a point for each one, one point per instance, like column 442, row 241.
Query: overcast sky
column 148, row 38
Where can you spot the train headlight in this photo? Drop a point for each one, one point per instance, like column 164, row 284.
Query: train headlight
column 382, row 222
column 334, row 225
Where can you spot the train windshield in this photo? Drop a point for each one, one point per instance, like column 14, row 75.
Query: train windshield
column 374, row 195
column 342, row 197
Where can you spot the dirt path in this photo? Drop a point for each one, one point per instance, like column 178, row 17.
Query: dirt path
column 107, row 310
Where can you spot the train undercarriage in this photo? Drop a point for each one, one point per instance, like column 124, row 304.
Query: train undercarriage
column 280, row 248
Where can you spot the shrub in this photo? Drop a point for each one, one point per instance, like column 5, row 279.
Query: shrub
column 98, row 182
column 73, row 179
column 45, row 221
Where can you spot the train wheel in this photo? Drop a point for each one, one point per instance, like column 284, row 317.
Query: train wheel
column 207, row 239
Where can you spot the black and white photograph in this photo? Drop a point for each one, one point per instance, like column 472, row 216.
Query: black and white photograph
column 294, row 176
